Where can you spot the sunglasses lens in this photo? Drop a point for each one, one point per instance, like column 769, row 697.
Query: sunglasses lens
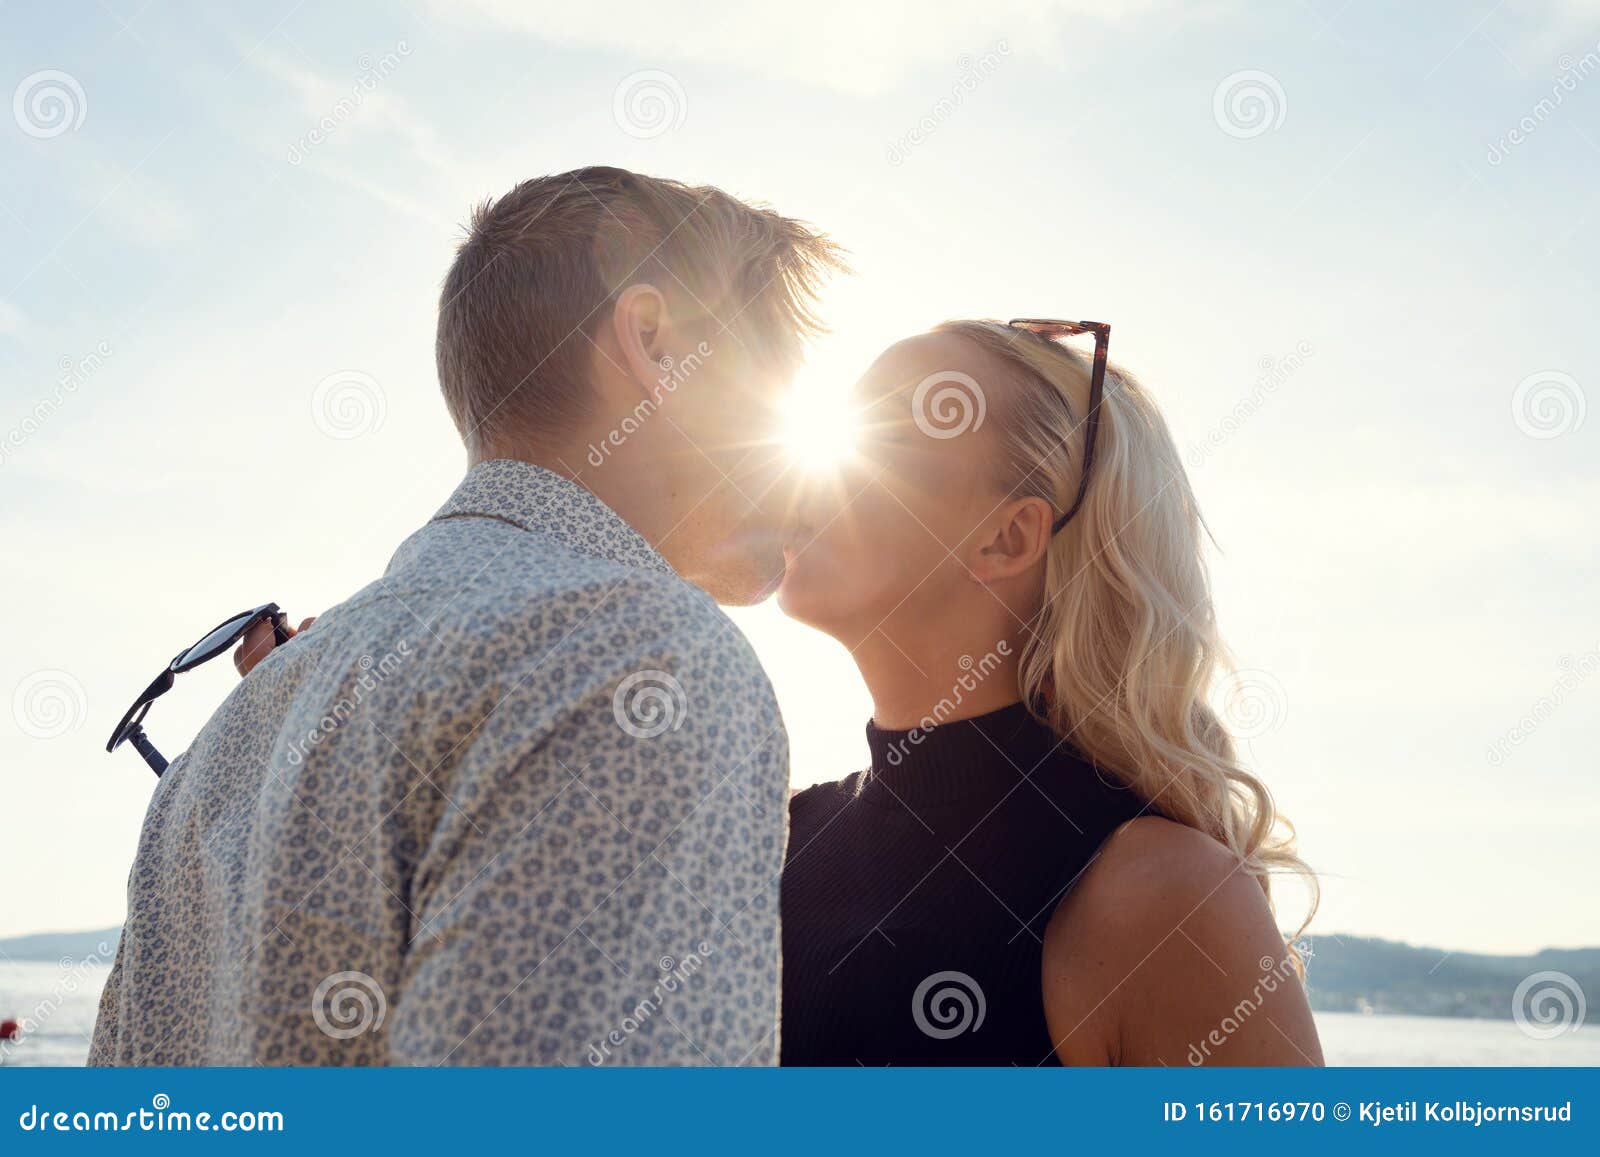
column 216, row 642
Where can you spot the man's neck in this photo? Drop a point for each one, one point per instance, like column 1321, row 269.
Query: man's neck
column 616, row 481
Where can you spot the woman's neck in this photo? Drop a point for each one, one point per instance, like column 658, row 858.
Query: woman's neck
column 925, row 682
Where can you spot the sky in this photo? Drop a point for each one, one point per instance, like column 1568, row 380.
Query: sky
column 1350, row 248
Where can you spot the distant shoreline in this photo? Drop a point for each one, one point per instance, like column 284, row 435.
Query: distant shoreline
column 56, row 947
column 1354, row 974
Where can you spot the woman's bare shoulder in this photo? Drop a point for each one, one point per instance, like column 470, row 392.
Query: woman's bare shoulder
column 1164, row 935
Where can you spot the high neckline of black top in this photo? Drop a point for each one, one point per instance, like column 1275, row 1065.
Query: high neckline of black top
column 986, row 754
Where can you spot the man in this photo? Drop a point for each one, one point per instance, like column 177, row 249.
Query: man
column 520, row 800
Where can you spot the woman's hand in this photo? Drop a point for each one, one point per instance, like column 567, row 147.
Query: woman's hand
column 258, row 641
column 1167, row 953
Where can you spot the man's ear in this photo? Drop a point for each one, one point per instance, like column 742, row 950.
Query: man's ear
column 1017, row 537
column 639, row 323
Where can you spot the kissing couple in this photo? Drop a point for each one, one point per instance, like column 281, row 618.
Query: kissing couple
column 524, row 798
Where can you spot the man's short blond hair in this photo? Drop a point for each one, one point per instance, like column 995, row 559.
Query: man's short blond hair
column 527, row 289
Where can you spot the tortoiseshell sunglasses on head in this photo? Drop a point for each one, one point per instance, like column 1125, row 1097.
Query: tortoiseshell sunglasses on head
column 1050, row 329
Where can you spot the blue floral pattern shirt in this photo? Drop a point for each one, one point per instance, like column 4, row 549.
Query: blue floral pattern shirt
column 522, row 800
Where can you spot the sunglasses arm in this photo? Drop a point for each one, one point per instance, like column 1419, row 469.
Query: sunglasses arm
column 141, row 744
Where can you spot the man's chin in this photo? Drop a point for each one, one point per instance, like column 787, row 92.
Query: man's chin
column 745, row 577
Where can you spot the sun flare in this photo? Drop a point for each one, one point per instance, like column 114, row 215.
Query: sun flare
column 820, row 427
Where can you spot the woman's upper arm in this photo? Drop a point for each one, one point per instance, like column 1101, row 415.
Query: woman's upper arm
column 1166, row 952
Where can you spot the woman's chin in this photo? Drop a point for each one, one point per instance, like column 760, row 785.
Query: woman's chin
column 799, row 598
column 788, row 602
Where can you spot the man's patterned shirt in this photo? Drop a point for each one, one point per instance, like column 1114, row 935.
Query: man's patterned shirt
column 520, row 801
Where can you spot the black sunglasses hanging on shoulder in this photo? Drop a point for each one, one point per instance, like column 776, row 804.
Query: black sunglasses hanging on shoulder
column 215, row 642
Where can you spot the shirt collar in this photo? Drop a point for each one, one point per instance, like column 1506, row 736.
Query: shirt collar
column 543, row 502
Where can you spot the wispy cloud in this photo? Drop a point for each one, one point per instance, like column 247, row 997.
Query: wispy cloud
column 137, row 208
column 842, row 44
column 339, row 107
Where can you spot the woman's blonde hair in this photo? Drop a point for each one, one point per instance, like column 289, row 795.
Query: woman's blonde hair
column 1125, row 649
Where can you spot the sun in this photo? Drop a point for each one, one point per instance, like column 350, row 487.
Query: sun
column 820, row 426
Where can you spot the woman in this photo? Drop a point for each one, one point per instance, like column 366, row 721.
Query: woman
column 1055, row 856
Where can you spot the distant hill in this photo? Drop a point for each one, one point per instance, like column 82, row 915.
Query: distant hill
column 1357, row 974
column 58, row 946
column 1345, row 973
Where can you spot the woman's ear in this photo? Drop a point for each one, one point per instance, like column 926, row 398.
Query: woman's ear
column 639, row 323
column 1018, row 538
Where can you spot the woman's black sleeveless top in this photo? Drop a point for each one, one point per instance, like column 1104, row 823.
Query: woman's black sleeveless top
column 915, row 895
